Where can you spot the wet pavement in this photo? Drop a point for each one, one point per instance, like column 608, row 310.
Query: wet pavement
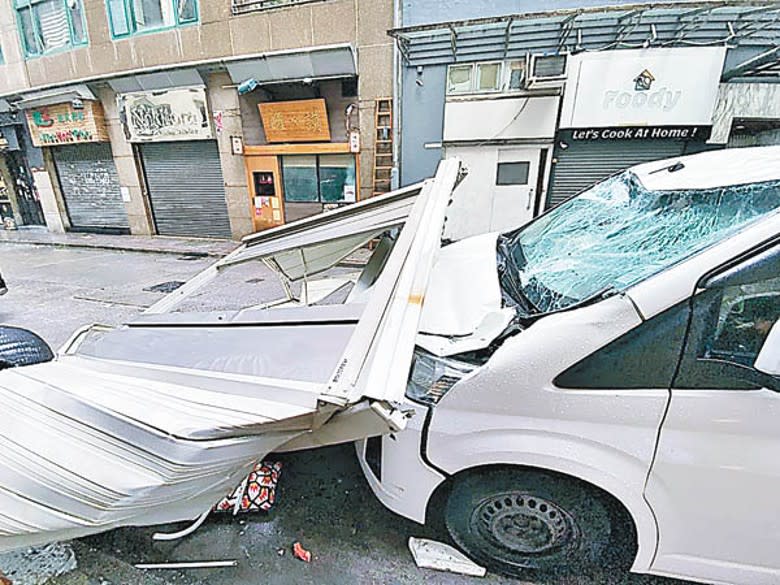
column 323, row 501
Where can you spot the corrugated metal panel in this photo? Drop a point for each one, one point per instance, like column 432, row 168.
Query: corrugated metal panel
column 90, row 186
column 582, row 164
column 186, row 188
column 751, row 24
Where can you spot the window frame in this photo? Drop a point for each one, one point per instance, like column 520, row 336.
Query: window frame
column 701, row 372
column 18, row 5
column 317, row 159
column 129, row 16
column 476, row 77
column 525, row 163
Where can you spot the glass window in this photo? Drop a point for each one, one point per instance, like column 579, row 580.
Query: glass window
column 459, row 78
column 513, row 173
column 299, row 176
column 489, row 76
column 326, row 178
column 131, row 16
column 747, row 314
column 50, row 25
column 516, row 75
column 337, row 178
column 187, row 10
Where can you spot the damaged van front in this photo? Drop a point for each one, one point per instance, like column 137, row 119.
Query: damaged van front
column 548, row 357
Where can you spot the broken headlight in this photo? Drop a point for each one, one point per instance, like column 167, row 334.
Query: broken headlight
column 432, row 377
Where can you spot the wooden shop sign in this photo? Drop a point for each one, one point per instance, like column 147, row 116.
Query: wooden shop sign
column 63, row 124
column 295, row 121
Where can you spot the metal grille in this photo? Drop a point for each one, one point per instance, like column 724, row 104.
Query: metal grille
column 245, row 6
column 582, row 164
column 90, row 187
column 186, row 188
column 752, row 23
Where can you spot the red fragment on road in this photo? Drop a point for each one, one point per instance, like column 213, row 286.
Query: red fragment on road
column 301, row 553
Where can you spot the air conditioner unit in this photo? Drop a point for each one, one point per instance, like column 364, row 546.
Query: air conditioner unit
column 546, row 71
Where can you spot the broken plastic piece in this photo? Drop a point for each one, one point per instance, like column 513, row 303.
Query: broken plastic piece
column 189, row 565
column 182, row 533
column 301, row 553
column 429, row 554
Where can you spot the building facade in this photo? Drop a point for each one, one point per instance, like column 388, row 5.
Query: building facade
column 542, row 102
column 188, row 118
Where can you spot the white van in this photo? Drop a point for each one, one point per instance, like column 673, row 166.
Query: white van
column 633, row 391
column 608, row 373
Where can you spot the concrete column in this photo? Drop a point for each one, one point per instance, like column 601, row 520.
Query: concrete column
column 224, row 103
column 45, row 180
column 130, row 180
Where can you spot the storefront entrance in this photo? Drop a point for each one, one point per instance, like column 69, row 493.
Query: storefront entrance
column 290, row 182
column 90, row 187
column 186, row 188
column 19, row 185
column 501, row 190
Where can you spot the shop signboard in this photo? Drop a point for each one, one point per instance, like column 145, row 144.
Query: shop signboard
column 295, row 121
column 642, row 87
column 67, row 123
column 637, row 133
column 164, row 116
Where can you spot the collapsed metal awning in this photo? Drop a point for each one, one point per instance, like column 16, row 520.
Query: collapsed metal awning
column 749, row 23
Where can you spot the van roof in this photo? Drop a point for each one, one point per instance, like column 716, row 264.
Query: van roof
column 715, row 168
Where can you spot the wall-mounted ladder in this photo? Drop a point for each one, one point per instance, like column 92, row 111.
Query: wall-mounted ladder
column 383, row 146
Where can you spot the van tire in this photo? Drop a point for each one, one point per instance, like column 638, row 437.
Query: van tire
column 514, row 521
column 20, row 347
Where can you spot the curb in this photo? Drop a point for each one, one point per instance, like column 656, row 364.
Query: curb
column 96, row 246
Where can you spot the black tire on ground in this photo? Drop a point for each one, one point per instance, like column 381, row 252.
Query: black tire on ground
column 514, row 521
column 19, row 347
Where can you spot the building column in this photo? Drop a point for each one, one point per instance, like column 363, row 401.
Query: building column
column 139, row 214
column 226, row 111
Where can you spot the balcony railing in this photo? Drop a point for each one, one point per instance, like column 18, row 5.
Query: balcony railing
column 246, row 6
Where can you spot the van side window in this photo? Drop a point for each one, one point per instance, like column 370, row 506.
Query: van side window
column 747, row 314
column 730, row 321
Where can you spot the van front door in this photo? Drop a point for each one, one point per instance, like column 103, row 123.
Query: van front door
column 499, row 193
column 715, row 480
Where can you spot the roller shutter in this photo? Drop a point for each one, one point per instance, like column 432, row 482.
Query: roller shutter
column 90, row 187
column 186, row 188
column 582, row 164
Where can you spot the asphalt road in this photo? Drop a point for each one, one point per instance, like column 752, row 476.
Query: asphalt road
column 324, row 502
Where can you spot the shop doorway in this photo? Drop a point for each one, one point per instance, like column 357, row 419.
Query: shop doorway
column 186, row 188
column 20, row 185
column 500, row 192
column 90, row 187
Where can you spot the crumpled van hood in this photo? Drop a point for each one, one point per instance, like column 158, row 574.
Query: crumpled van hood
column 463, row 309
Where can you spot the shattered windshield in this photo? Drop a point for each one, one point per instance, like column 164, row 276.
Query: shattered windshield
column 616, row 234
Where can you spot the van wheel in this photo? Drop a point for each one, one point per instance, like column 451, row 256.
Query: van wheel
column 513, row 521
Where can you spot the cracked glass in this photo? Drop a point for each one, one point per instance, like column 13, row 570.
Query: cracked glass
column 616, row 234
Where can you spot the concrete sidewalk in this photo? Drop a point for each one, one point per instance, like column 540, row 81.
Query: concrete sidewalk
column 154, row 244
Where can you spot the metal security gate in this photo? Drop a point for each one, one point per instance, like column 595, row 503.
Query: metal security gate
column 581, row 164
column 186, row 188
column 90, row 187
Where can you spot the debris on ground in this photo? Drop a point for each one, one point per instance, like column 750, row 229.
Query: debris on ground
column 188, row 565
column 3, row 580
column 280, row 552
column 429, row 554
column 301, row 553
column 256, row 493
column 35, row 566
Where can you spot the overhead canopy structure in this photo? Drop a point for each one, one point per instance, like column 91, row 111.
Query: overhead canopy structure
column 749, row 23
